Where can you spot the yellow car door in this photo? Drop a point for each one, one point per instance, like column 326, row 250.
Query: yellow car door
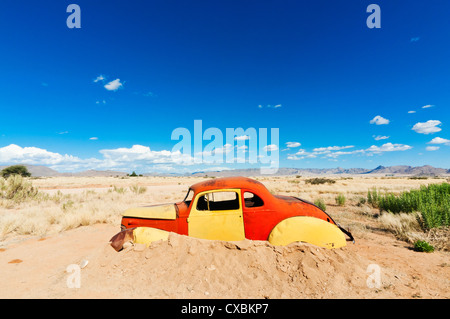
column 217, row 215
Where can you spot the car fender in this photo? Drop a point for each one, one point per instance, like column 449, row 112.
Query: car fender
column 147, row 235
column 307, row 229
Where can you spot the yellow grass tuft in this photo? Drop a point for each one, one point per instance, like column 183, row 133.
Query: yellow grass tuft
column 405, row 226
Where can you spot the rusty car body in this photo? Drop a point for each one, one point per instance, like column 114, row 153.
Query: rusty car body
column 233, row 209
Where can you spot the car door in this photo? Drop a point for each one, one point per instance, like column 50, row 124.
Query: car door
column 217, row 215
column 259, row 216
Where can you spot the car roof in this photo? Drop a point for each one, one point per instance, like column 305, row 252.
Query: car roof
column 229, row 182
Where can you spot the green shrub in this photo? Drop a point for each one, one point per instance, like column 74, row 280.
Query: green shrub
column 317, row 181
column 423, row 246
column 372, row 197
column 432, row 201
column 321, row 204
column 15, row 170
column 340, row 200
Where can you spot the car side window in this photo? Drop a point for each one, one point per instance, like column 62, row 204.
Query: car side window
column 217, row 201
column 252, row 200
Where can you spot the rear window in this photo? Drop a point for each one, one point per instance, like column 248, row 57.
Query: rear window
column 252, row 200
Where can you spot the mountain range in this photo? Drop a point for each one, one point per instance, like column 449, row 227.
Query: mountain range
column 426, row 170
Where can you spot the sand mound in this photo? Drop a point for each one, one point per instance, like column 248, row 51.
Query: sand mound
column 185, row 267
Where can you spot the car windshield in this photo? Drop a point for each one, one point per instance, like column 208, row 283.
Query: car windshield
column 189, row 197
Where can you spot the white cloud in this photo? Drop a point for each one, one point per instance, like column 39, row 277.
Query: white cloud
column 332, row 148
column 306, row 155
column 93, row 138
column 411, row 112
column 301, row 152
column 14, row 154
column 113, row 85
column 378, row 120
column 276, row 106
column 339, row 153
column 227, row 148
column 99, row 78
column 427, row 127
column 242, row 138
column 293, row 144
column 137, row 153
column 270, row 148
column 332, row 152
column 427, row 106
column 137, row 157
column 432, row 148
column 388, row 147
column 439, row 140
column 100, row 102
column 222, row 150
column 380, row 137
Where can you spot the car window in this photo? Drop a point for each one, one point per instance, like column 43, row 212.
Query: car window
column 217, row 201
column 252, row 200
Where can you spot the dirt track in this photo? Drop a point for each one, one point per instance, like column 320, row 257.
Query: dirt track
column 185, row 267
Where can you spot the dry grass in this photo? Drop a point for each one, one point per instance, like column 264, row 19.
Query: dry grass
column 63, row 203
column 405, row 226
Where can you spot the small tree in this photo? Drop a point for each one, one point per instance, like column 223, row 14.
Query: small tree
column 15, row 170
column 133, row 174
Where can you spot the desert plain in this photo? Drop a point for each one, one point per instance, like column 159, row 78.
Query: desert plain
column 69, row 221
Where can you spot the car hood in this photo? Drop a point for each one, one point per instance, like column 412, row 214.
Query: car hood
column 165, row 211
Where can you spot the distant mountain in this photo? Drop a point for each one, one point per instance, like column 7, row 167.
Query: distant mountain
column 44, row 171
column 426, row 170
column 94, row 173
column 283, row 171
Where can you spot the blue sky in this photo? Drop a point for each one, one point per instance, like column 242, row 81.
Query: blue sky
column 109, row 94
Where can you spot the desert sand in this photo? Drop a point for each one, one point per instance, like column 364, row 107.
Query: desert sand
column 36, row 264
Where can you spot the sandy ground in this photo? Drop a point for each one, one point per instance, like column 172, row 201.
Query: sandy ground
column 185, row 267
column 376, row 266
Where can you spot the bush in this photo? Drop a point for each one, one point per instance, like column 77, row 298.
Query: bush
column 361, row 201
column 317, row 181
column 17, row 189
column 15, row 170
column 340, row 200
column 138, row 189
column 423, row 246
column 320, row 203
column 432, row 201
